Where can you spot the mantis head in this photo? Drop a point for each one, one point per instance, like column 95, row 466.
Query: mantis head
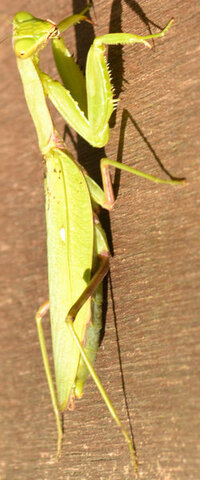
column 31, row 34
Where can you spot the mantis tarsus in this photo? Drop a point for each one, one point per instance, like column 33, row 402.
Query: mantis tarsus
column 78, row 253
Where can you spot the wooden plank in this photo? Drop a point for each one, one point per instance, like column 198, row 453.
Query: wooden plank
column 155, row 270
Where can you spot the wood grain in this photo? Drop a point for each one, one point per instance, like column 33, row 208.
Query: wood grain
column 155, row 270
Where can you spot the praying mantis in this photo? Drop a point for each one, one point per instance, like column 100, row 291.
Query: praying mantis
column 77, row 247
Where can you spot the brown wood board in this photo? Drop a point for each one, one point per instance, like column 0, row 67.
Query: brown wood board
column 154, row 231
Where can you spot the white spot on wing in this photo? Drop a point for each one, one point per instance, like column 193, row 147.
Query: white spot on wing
column 62, row 233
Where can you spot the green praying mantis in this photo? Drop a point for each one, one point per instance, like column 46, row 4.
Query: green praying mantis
column 78, row 252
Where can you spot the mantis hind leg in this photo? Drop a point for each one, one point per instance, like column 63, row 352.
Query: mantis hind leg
column 104, row 395
column 39, row 316
column 93, row 286
column 70, row 324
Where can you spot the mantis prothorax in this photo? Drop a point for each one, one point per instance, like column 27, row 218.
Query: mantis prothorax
column 78, row 253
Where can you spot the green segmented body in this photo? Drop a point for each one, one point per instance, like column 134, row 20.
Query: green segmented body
column 78, row 254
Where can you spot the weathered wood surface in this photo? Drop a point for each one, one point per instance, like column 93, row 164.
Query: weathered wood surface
column 155, row 269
